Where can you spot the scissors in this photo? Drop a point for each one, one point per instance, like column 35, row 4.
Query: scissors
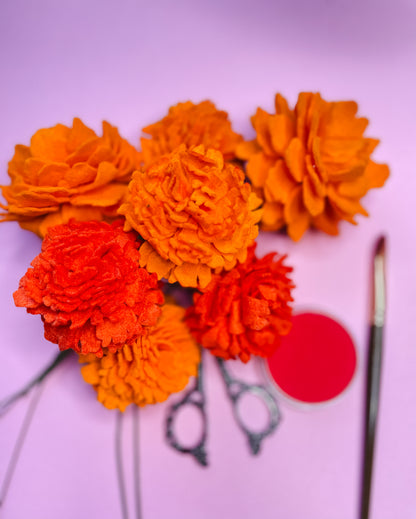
column 236, row 390
column 195, row 397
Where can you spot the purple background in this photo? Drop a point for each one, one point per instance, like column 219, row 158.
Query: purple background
column 126, row 62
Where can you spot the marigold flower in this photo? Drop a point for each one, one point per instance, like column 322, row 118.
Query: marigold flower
column 190, row 124
column 148, row 370
column 311, row 165
column 195, row 212
column 245, row 311
column 68, row 173
column 88, row 287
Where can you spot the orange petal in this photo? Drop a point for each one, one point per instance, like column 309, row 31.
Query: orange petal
column 346, row 172
column 317, row 183
column 153, row 262
column 327, row 221
column 66, row 213
column 349, row 206
column 52, row 174
column 298, row 228
column 105, row 196
column 296, row 216
column 282, row 130
column 302, row 111
column 313, row 202
column 79, row 134
column 258, row 168
column 357, row 188
column 376, row 174
column 260, row 123
column 281, row 106
column 279, row 183
column 295, row 159
column 246, row 149
column 340, row 121
column 50, row 143
column 272, row 219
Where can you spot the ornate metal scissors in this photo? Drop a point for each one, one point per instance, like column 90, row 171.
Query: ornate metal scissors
column 236, row 390
column 195, row 396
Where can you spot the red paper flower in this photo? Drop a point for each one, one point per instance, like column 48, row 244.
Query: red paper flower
column 88, row 287
column 245, row 311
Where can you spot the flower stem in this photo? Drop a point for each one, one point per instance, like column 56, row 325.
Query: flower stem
column 7, row 403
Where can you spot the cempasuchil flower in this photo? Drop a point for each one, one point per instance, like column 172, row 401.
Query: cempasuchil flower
column 88, row 287
column 190, row 124
column 196, row 214
column 68, row 172
column 245, row 311
column 149, row 369
column 311, row 165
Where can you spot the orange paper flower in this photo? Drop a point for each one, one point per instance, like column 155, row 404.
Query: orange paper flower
column 311, row 165
column 190, row 124
column 245, row 311
column 195, row 212
column 88, row 287
column 68, row 173
column 148, row 370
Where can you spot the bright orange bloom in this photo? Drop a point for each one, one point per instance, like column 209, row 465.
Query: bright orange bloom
column 195, row 212
column 311, row 165
column 88, row 287
column 245, row 311
column 190, row 124
column 68, row 173
column 148, row 370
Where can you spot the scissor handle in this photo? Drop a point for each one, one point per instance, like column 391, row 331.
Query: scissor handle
column 236, row 389
column 194, row 397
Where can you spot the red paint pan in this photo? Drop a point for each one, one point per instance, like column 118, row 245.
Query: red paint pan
column 314, row 363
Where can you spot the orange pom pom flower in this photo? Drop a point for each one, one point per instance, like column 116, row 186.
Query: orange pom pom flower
column 88, row 287
column 68, row 173
column 195, row 213
column 245, row 311
column 311, row 165
column 148, row 370
column 190, row 124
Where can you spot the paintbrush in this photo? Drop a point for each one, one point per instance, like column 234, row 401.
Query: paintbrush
column 373, row 371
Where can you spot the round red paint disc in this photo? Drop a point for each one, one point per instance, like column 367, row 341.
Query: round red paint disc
column 316, row 361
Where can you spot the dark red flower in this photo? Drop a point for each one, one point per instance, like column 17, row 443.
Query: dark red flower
column 245, row 311
column 88, row 287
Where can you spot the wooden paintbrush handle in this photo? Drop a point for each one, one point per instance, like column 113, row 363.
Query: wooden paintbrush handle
column 372, row 402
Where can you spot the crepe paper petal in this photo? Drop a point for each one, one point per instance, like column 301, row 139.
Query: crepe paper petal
column 327, row 221
column 323, row 148
column 88, row 287
column 258, row 169
column 313, row 202
column 279, row 183
column 149, row 369
column 190, row 124
column 67, row 165
column 247, row 149
column 244, row 312
column 376, row 174
column 273, row 217
column 194, row 211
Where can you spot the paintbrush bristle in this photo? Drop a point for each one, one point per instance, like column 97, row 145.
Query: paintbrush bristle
column 379, row 289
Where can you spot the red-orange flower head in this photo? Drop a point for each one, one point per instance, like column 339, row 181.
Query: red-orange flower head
column 190, row 124
column 195, row 212
column 88, row 287
column 245, row 311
